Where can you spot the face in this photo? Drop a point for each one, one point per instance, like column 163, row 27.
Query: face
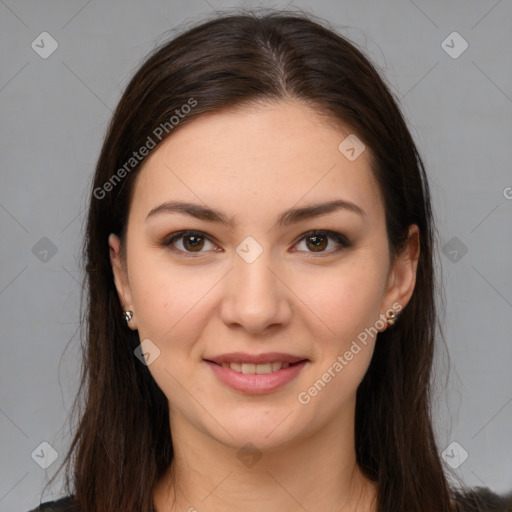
column 305, row 293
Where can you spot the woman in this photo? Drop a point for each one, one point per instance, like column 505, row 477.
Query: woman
column 261, row 294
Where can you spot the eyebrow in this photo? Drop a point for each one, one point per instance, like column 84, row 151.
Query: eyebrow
column 288, row 217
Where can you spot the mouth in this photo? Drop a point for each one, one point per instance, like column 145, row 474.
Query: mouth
column 256, row 374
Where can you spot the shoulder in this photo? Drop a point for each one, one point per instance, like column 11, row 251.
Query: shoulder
column 61, row 505
column 481, row 499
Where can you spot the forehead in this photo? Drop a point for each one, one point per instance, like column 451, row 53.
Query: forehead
column 278, row 155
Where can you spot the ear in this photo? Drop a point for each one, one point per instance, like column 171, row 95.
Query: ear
column 402, row 277
column 121, row 276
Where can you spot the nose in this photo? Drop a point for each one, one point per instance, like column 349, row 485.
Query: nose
column 256, row 296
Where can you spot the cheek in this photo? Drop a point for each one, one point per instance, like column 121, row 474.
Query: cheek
column 169, row 300
column 350, row 309
column 171, row 311
column 345, row 300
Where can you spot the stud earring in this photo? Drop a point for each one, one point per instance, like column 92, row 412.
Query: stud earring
column 127, row 315
column 391, row 318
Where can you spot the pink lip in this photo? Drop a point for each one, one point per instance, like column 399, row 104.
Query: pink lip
column 255, row 383
column 268, row 357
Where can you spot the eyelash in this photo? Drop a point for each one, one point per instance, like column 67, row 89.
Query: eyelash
column 342, row 240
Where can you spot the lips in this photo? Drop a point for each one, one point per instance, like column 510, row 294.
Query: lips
column 256, row 373
column 248, row 380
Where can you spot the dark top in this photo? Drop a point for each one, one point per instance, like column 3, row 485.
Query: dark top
column 472, row 503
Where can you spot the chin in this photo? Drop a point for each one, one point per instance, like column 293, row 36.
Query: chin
column 266, row 430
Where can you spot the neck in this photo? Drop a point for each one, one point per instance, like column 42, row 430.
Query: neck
column 318, row 472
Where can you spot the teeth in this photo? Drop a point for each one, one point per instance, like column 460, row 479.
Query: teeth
column 259, row 369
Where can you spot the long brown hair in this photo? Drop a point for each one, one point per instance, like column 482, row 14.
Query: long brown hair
column 122, row 444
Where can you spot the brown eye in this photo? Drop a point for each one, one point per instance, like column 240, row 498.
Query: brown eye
column 318, row 242
column 192, row 243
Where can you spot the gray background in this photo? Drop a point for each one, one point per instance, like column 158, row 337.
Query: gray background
column 54, row 113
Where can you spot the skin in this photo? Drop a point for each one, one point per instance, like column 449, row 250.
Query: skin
column 252, row 164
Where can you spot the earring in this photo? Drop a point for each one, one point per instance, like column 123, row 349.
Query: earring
column 391, row 318
column 127, row 315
